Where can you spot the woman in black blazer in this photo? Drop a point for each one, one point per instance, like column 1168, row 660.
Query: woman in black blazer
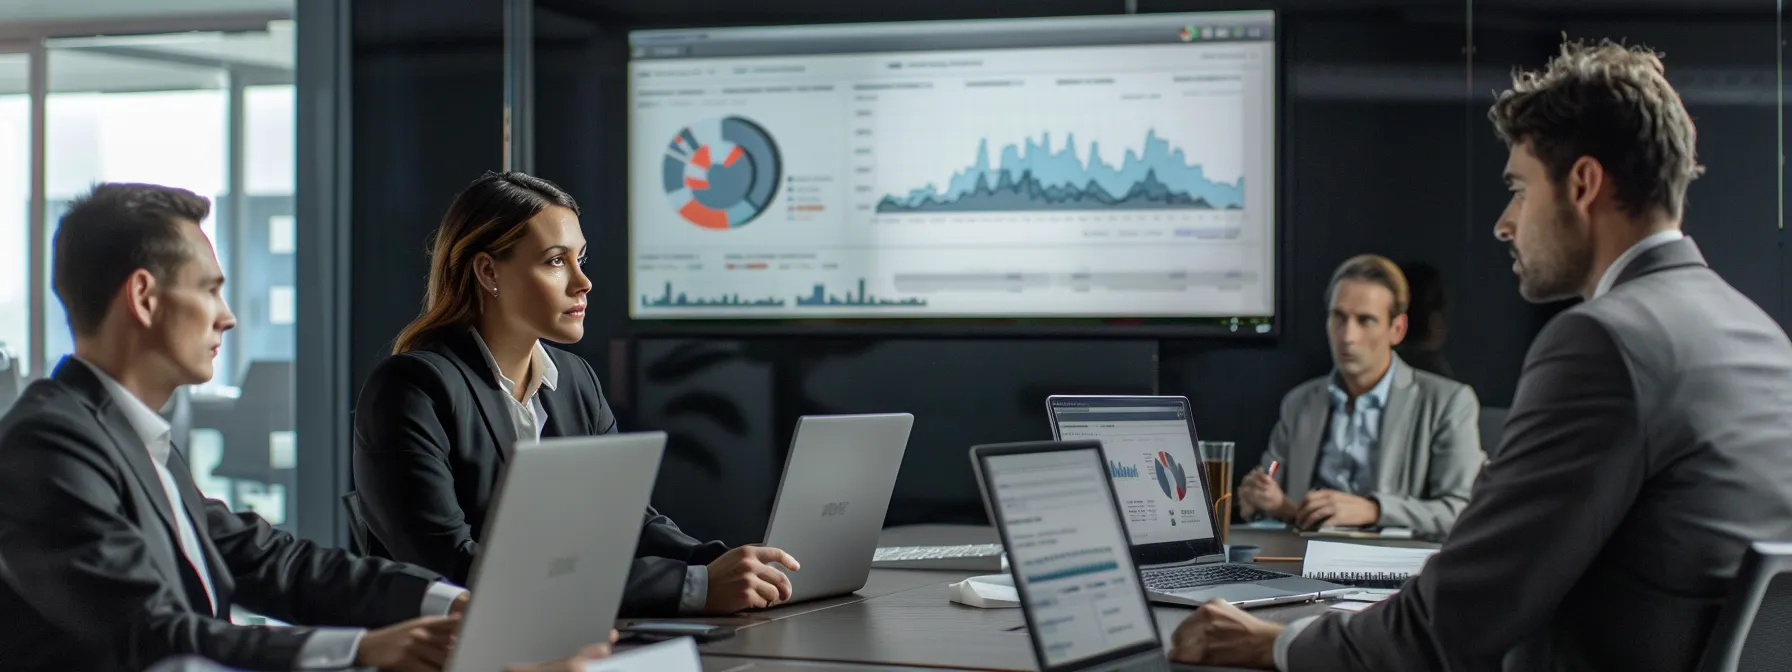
column 471, row 377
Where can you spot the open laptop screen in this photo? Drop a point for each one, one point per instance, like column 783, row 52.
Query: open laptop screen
column 1076, row 579
column 1149, row 445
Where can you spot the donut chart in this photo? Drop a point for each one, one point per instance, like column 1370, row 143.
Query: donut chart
column 1171, row 478
column 721, row 173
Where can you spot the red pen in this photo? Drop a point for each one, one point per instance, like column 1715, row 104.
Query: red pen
column 1272, row 467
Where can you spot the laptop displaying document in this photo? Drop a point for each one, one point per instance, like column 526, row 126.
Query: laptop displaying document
column 1148, row 445
column 549, row 577
column 1079, row 590
column 831, row 502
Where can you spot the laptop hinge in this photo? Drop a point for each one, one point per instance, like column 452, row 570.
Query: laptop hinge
column 1201, row 560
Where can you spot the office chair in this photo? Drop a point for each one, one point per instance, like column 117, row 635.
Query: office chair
column 12, row 378
column 179, row 413
column 1493, row 424
column 264, row 407
column 1754, row 630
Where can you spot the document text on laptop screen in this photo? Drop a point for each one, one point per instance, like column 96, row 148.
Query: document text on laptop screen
column 1151, row 457
column 1069, row 555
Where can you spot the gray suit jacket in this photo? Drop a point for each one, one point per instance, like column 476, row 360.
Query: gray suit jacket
column 1429, row 454
column 1647, row 445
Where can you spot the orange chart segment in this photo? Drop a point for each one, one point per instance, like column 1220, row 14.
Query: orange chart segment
column 728, row 194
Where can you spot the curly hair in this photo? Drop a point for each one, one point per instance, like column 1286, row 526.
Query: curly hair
column 1613, row 103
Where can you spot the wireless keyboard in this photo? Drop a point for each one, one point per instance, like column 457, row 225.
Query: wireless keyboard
column 967, row 558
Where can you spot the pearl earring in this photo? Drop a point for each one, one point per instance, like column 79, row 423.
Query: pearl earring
column 494, row 291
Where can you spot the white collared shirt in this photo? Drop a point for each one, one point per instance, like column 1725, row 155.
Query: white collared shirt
column 528, row 417
column 157, row 436
column 1650, row 242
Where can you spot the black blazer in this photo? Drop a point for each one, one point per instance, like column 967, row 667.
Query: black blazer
column 427, row 462
column 91, row 576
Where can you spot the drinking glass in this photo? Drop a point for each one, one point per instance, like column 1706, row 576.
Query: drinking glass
column 1216, row 459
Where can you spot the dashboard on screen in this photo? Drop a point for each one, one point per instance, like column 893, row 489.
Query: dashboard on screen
column 1082, row 167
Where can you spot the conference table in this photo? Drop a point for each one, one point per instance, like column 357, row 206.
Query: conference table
column 903, row 620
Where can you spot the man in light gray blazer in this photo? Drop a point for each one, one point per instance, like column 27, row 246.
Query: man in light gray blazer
column 1376, row 442
column 1648, row 443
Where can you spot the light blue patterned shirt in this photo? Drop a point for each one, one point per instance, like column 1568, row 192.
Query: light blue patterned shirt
column 1347, row 458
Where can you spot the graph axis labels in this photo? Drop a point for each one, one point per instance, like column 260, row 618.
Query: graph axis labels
column 721, row 173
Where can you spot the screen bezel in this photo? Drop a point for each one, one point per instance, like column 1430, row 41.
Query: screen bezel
column 1218, row 327
column 1168, row 552
column 985, row 482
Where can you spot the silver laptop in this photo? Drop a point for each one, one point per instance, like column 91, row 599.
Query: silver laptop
column 1149, row 447
column 557, row 549
column 1079, row 590
column 832, row 499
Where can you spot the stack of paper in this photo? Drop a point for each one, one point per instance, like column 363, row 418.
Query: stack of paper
column 1361, row 533
column 1333, row 558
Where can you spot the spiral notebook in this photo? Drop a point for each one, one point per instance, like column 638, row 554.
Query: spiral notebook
column 1363, row 565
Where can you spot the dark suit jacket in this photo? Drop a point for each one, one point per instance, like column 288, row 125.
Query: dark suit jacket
column 91, row 575
column 428, row 432
column 1648, row 444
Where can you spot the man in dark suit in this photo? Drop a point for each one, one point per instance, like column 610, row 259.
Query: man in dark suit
column 110, row 558
column 1647, row 443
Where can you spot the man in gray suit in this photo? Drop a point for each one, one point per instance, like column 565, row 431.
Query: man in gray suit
column 1376, row 442
column 1647, row 443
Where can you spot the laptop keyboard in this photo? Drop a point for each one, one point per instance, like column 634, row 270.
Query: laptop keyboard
column 1196, row 576
column 968, row 557
column 897, row 553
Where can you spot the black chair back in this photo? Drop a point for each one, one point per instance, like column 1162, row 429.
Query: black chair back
column 12, row 378
column 359, row 532
column 1493, row 424
column 1754, row 630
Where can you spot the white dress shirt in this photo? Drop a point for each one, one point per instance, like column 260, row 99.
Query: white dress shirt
column 530, row 417
column 1606, row 280
column 1650, row 242
column 327, row 648
column 157, row 436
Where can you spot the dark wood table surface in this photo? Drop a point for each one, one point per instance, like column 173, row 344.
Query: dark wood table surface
column 903, row 618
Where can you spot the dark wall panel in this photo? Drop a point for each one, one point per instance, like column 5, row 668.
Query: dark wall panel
column 731, row 408
column 428, row 119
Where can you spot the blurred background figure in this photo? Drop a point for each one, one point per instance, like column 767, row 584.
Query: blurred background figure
column 1426, row 327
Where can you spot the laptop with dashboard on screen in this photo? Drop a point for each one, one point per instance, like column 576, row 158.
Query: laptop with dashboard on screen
column 1148, row 445
column 1079, row 590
